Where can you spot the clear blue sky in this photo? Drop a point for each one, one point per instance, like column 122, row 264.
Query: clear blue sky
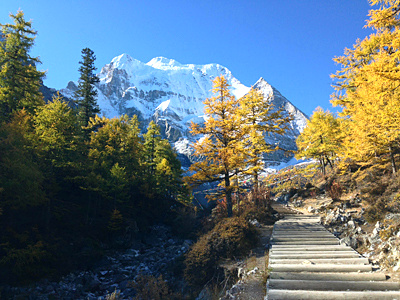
column 290, row 43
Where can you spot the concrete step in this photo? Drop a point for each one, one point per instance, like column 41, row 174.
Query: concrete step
column 331, row 285
column 374, row 276
column 293, row 231
column 307, row 262
column 320, row 268
column 321, row 261
column 287, row 247
column 330, row 295
column 303, row 238
column 312, row 234
column 300, row 255
column 300, row 242
column 308, row 253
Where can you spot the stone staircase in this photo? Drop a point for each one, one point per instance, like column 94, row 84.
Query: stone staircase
column 307, row 262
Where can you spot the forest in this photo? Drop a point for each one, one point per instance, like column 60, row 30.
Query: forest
column 363, row 141
column 73, row 184
column 69, row 179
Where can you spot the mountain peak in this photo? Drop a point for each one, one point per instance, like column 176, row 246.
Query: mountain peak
column 124, row 61
column 261, row 83
column 163, row 63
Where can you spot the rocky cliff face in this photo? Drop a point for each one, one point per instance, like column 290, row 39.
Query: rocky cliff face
column 172, row 95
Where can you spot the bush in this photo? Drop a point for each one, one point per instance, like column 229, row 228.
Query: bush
column 229, row 238
column 334, row 190
column 375, row 212
column 261, row 215
column 25, row 263
column 154, row 288
column 184, row 222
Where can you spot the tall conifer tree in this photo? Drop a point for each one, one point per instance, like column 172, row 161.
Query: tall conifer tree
column 19, row 78
column 368, row 88
column 259, row 118
column 221, row 147
column 321, row 139
column 85, row 96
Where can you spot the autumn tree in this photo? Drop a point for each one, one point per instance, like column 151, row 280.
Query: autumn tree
column 368, row 88
column 55, row 127
column 260, row 119
column 220, row 148
column 20, row 176
column 85, row 95
column 19, row 78
column 113, row 167
column 321, row 138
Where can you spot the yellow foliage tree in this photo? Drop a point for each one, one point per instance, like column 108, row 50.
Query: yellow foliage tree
column 321, row 138
column 259, row 117
column 220, row 149
column 368, row 88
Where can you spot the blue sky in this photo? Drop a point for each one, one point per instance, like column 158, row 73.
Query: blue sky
column 290, row 43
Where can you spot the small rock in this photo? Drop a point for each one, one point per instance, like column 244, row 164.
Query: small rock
column 255, row 223
column 351, row 224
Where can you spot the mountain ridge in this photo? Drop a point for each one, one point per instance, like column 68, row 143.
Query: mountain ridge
column 172, row 95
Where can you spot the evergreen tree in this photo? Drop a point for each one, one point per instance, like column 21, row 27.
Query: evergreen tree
column 85, row 95
column 19, row 78
column 221, row 148
column 152, row 139
column 162, row 169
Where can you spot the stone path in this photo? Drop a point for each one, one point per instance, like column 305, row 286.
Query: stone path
column 307, row 262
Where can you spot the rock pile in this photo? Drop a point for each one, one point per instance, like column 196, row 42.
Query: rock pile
column 115, row 272
column 381, row 246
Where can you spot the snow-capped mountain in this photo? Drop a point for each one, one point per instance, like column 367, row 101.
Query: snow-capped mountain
column 172, row 94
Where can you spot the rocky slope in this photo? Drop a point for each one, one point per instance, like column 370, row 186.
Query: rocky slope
column 172, row 94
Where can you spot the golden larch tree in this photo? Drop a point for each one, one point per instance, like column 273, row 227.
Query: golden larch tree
column 220, row 147
column 259, row 118
column 367, row 88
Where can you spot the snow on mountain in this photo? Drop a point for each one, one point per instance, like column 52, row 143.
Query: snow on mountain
column 172, row 94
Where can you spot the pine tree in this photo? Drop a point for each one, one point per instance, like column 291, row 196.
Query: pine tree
column 162, row 169
column 85, row 95
column 152, row 138
column 220, row 148
column 19, row 78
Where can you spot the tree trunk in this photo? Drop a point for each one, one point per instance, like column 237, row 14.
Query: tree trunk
column 328, row 160
column 228, row 194
column 322, row 162
column 392, row 160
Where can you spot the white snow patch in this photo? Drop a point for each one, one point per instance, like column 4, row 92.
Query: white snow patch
column 164, row 105
column 292, row 162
